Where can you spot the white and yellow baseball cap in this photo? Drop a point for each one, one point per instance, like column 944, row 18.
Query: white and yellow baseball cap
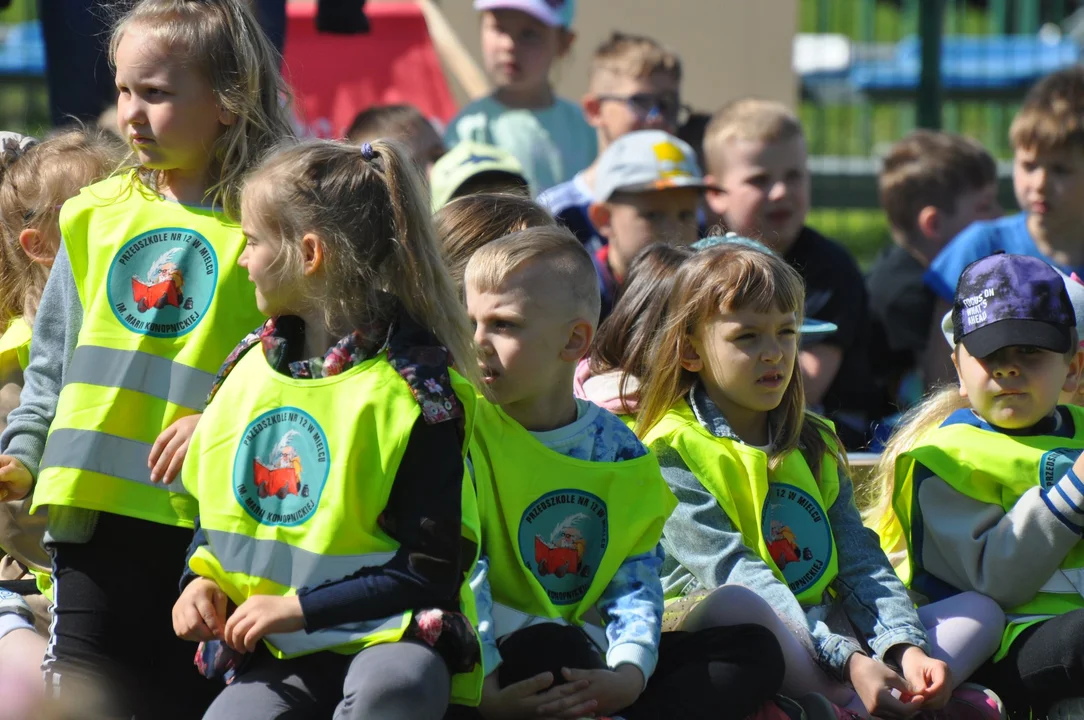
column 647, row 160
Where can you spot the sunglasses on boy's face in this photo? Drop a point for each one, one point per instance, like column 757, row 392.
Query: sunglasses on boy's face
column 648, row 106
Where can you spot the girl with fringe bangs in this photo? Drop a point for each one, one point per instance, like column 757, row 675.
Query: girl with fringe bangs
column 766, row 530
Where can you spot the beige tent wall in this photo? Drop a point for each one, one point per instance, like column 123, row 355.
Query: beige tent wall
column 730, row 48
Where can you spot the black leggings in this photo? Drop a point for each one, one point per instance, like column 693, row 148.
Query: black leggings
column 1045, row 664
column 113, row 631
column 718, row 673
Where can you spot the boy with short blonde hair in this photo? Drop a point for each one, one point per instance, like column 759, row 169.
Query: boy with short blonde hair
column 756, row 156
column 933, row 185
column 635, row 84
column 572, row 506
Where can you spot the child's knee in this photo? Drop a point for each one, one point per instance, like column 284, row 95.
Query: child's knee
column 412, row 683
column 986, row 612
column 735, row 605
column 22, row 651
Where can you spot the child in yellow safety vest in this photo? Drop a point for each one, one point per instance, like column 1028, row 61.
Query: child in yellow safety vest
column 336, row 528
column 122, row 349
column 766, row 529
column 980, row 488
column 36, row 179
column 572, row 507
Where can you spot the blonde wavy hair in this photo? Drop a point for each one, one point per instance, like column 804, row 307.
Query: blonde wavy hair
column 34, row 182
column 733, row 277
column 372, row 217
column 875, row 500
column 226, row 43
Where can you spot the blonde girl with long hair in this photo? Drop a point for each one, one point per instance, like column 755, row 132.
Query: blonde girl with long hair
column 145, row 299
column 766, row 530
column 35, row 179
column 345, row 428
column 979, row 488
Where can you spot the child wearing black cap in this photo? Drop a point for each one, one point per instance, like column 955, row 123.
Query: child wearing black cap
column 981, row 486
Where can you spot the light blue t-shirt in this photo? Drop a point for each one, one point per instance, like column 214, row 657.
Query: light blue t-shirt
column 982, row 239
column 552, row 143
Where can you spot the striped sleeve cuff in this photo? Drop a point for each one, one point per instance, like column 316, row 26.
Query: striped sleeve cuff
column 632, row 654
column 1065, row 499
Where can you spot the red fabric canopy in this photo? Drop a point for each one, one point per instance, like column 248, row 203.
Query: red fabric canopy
column 336, row 76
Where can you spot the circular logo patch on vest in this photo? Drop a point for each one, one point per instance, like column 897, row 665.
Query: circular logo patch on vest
column 161, row 282
column 1054, row 464
column 562, row 538
column 797, row 534
column 281, row 467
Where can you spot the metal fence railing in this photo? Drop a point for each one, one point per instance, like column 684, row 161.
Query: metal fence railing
column 861, row 61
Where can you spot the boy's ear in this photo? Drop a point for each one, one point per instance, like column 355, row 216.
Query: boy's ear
column 690, row 357
column 1076, row 366
column 715, row 199
column 312, row 253
column 929, row 222
column 599, row 215
column 36, row 246
column 580, row 336
column 592, row 109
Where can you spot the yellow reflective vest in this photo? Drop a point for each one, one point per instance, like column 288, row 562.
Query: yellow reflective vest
column 164, row 303
column 27, row 531
column 291, row 477
column 997, row 469
column 782, row 518
column 556, row 528
column 15, row 347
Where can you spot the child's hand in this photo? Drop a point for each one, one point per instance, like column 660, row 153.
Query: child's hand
column 930, row 678
column 607, row 692
column 523, row 699
column 169, row 450
column 874, row 682
column 200, row 612
column 15, row 479
column 262, row 615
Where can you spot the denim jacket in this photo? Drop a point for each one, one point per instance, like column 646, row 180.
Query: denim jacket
column 704, row 551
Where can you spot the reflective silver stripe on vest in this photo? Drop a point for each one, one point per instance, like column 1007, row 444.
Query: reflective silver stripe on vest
column 296, row 643
column 142, row 372
column 508, row 620
column 295, row 567
column 103, row 453
column 1025, row 617
column 285, row 564
column 1065, row 582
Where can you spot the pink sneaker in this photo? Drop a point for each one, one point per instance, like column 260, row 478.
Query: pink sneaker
column 969, row 702
column 773, row 710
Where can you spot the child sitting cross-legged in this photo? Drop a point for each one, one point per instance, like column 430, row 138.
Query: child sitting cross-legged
column 572, row 507
column 980, row 486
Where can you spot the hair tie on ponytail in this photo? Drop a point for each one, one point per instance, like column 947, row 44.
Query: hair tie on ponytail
column 367, row 151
